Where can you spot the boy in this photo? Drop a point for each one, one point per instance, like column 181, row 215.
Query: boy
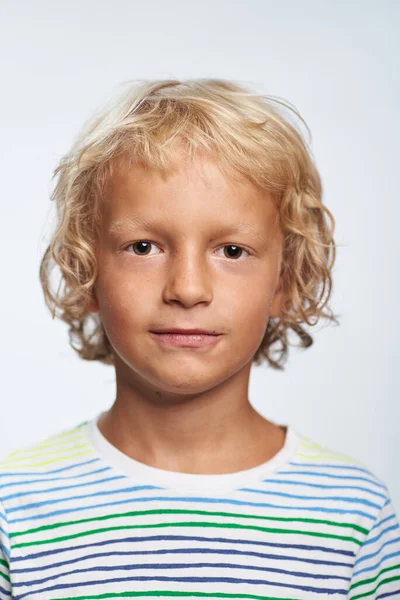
column 191, row 238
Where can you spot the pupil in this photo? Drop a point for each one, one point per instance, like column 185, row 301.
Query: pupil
column 142, row 244
column 236, row 249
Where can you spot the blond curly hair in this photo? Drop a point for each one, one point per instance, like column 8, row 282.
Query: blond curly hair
column 239, row 129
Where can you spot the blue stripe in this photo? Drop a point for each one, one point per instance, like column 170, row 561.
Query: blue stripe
column 200, row 565
column 373, row 554
column 63, row 488
column 43, row 480
column 378, row 564
column 42, row 515
column 378, row 537
column 185, row 538
column 323, row 498
column 170, row 551
column 326, row 486
column 305, row 588
column 35, row 473
column 379, row 523
column 388, row 594
column 4, row 532
column 6, row 594
column 329, row 466
column 5, row 550
column 129, row 489
column 330, row 476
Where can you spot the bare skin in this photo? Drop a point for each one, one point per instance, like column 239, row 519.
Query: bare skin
column 186, row 409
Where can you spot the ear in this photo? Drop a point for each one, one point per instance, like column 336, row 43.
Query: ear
column 277, row 302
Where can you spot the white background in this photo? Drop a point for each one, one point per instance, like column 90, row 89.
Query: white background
column 338, row 63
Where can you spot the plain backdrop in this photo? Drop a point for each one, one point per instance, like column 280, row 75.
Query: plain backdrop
column 338, row 63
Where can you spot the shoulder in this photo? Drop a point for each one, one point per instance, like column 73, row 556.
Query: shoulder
column 32, row 475
column 47, row 458
column 338, row 475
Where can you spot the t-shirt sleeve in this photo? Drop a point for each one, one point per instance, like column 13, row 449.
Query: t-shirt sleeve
column 5, row 583
column 376, row 572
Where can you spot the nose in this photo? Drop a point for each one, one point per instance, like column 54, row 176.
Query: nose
column 188, row 279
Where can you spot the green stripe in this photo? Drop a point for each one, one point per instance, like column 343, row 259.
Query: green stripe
column 389, row 580
column 6, row 577
column 184, row 594
column 4, row 563
column 373, row 579
column 188, row 524
column 188, row 512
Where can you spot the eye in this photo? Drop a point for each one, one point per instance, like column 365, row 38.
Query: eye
column 145, row 245
column 236, row 249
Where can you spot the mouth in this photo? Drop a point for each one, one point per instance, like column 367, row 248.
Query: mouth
column 182, row 331
column 184, row 339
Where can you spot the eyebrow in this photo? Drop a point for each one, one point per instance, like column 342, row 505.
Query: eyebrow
column 156, row 224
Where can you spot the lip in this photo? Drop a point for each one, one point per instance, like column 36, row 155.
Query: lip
column 186, row 340
column 185, row 331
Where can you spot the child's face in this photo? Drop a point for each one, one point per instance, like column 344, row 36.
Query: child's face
column 188, row 276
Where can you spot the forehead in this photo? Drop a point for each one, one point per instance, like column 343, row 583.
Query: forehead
column 194, row 191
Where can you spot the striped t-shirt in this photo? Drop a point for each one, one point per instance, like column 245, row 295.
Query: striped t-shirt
column 80, row 519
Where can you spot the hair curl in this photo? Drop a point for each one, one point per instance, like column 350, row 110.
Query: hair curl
column 239, row 129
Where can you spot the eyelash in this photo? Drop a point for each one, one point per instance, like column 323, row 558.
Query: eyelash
column 148, row 241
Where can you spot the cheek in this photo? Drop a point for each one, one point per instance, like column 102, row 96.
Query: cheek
column 250, row 299
column 122, row 304
column 245, row 313
column 254, row 321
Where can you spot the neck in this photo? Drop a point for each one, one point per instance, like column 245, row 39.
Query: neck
column 215, row 431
